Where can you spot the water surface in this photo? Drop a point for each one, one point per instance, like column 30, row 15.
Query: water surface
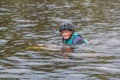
column 29, row 23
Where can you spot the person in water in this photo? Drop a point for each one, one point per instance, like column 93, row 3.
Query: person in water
column 69, row 36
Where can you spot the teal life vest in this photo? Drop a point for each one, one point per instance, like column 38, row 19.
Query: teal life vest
column 70, row 41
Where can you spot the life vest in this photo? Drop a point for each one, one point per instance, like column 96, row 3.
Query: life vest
column 70, row 41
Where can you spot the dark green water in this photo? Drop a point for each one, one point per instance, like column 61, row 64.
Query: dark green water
column 30, row 22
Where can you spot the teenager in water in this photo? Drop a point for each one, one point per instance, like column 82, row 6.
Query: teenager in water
column 69, row 36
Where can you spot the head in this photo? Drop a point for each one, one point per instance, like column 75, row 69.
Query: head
column 66, row 30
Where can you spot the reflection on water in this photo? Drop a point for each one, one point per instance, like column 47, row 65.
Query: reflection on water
column 29, row 23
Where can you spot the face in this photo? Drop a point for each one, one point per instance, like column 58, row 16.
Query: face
column 66, row 34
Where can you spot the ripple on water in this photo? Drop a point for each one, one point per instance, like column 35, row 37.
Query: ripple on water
column 24, row 21
column 3, row 42
column 3, row 28
column 26, row 25
column 26, row 74
column 16, row 71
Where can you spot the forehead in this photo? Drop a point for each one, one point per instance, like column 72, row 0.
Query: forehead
column 66, row 31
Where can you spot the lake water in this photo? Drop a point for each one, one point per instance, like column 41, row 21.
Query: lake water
column 25, row 23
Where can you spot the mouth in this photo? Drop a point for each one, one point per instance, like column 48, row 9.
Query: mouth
column 66, row 37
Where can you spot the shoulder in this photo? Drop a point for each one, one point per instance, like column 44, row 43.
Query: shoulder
column 78, row 38
column 76, row 34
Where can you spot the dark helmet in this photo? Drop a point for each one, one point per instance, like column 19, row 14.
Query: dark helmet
column 66, row 26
